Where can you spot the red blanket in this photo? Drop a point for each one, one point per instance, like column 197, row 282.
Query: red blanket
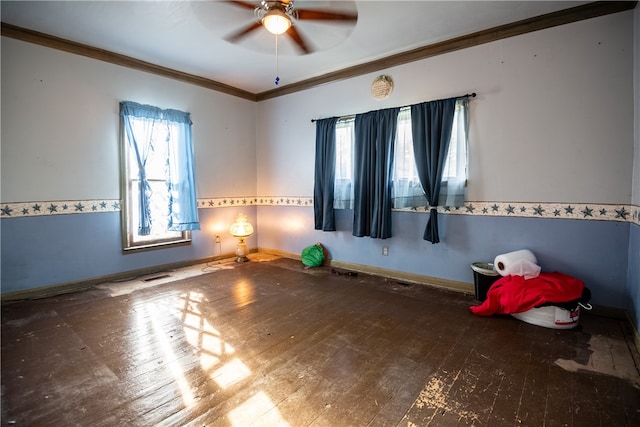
column 514, row 294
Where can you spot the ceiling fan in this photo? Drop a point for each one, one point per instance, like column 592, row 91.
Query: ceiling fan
column 279, row 17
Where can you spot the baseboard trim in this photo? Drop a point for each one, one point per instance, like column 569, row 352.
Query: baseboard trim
column 283, row 254
column 399, row 276
column 81, row 285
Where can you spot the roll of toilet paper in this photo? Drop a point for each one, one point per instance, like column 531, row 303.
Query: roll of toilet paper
column 517, row 263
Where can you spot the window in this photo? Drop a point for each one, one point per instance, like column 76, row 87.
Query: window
column 454, row 178
column 158, row 185
column 407, row 190
column 343, row 188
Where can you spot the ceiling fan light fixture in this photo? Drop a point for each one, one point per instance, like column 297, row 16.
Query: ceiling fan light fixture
column 276, row 21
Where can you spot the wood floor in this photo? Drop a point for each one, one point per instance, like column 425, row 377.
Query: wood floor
column 268, row 343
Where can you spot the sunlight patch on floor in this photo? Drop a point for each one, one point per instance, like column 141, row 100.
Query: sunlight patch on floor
column 217, row 358
column 172, row 361
column 219, row 361
column 150, row 280
column 203, row 337
column 258, row 410
column 230, row 373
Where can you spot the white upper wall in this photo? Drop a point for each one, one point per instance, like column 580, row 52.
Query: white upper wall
column 60, row 127
column 553, row 120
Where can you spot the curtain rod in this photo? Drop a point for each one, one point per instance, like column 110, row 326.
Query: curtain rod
column 468, row 95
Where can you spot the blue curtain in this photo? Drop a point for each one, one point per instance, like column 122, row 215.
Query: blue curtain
column 141, row 143
column 183, row 213
column 375, row 134
column 325, row 171
column 431, row 124
column 181, row 183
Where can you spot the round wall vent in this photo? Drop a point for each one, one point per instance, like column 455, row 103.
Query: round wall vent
column 381, row 87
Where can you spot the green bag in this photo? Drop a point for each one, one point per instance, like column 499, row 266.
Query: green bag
column 313, row 255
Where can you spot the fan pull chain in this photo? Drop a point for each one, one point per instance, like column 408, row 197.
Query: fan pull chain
column 277, row 77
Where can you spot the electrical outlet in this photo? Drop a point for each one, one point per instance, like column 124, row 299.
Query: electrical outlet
column 385, row 250
column 217, row 239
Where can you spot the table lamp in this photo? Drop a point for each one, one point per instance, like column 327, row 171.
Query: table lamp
column 241, row 228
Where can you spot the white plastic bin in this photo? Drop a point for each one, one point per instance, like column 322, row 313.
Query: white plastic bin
column 550, row 317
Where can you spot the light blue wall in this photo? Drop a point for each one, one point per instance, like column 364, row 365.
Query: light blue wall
column 50, row 250
column 593, row 251
column 633, row 276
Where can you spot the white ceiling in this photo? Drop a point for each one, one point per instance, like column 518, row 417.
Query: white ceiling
column 189, row 36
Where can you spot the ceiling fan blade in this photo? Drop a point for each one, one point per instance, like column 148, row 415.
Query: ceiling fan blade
column 243, row 4
column 243, row 32
column 297, row 38
column 320, row 15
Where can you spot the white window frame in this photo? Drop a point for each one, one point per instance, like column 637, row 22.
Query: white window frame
column 160, row 236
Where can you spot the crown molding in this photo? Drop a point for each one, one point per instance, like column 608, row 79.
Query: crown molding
column 65, row 45
column 566, row 16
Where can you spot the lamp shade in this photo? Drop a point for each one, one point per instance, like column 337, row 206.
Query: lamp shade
column 276, row 21
column 241, row 228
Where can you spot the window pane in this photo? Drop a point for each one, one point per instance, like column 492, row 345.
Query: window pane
column 344, row 149
column 451, row 165
column 343, row 185
column 404, row 161
column 406, row 187
column 158, row 203
column 152, row 137
column 452, row 192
